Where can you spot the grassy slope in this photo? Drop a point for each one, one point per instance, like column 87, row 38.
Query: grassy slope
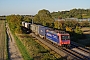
column 36, row 51
column 22, row 48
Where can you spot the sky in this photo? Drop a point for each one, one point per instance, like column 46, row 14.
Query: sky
column 31, row 7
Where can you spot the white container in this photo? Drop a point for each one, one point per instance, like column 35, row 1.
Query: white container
column 35, row 28
column 26, row 24
column 23, row 23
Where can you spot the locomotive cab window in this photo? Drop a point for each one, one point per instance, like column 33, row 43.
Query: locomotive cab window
column 65, row 37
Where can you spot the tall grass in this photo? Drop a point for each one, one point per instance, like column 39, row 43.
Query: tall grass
column 6, row 42
column 22, row 49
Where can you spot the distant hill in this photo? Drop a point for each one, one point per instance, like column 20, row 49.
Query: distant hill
column 74, row 13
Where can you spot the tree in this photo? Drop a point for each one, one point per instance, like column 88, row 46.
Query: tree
column 37, row 19
column 78, row 30
column 68, row 24
column 74, row 23
column 43, row 17
column 84, row 24
column 58, row 25
column 27, row 19
column 14, row 22
column 69, row 29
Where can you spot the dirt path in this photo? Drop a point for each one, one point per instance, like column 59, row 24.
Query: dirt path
column 14, row 53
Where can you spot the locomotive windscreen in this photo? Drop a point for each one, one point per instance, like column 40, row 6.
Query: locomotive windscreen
column 65, row 37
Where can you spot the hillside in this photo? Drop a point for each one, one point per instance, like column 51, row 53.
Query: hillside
column 74, row 13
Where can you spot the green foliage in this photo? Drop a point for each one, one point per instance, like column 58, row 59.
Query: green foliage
column 58, row 25
column 71, row 23
column 43, row 17
column 18, row 30
column 35, row 49
column 27, row 19
column 14, row 22
column 85, row 24
column 22, row 49
column 78, row 30
column 68, row 23
column 69, row 29
column 76, row 13
column 64, row 24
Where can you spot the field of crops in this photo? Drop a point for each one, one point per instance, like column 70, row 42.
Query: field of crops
column 2, row 40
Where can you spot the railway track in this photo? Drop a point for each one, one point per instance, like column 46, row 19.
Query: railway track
column 86, row 50
column 80, row 50
column 71, row 54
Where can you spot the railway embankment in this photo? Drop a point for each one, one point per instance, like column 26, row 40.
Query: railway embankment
column 13, row 51
column 36, row 49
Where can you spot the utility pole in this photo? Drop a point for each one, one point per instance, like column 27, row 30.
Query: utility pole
column 32, row 20
column 58, row 23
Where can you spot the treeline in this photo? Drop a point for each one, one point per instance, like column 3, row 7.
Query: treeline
column 44, row 17
column 70, row 23
column 74, row 13
column 14, row 22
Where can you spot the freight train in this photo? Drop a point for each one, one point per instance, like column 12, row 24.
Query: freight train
column 61, row 38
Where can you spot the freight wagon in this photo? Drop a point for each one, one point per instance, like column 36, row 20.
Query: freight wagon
column 35, row 28
column 26, row 27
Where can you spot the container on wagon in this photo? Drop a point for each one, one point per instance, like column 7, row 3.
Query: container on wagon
column 35, row 28
column 52, row 36
column 42, row 31
column 27, row 25
column 23, row 23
